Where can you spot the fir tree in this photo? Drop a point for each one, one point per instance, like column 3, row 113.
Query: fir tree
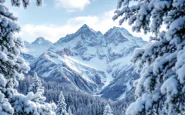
column 36, row 85
column 69, row 111
column 107, row 110
column 37, row 88
column 61, row 106
column 5, row 106
column 161, row 87
column 12, row 67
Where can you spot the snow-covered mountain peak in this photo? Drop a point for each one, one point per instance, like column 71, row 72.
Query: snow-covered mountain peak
column 35, row 49
column 41, row 41
column 117, row 34
column 90, row 61
column 85, row 28
column 120, row 29
column 26, row 43
column 116, row 29
column 84, row 36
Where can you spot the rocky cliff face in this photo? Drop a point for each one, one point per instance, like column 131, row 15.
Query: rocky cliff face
column 92, row 62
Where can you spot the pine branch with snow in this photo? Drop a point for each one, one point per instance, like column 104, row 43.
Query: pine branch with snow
column 12, row 69
column 35, row 96
column 26, row 105
column 161, row 63
column 25, row 3
column 5, row 107
column 12, row 65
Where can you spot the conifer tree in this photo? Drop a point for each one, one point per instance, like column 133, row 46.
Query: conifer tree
column 12, row 67
column 107, row 110
column 37, row 88
column 61, row 106
column 36, row 85
column 161, row 87
column 69, row 111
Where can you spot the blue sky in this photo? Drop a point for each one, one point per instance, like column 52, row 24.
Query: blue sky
column 57, row 18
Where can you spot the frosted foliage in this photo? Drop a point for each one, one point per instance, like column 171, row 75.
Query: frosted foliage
column 36, row 85
column 69, row 111
column 61, row 106
column 5, row 107
column 35, row 95
column 12, row 68
column 24, row 105
column 25, row 3
column 161, row 64
column 12, row 65
column 37, row 88
column 107, row 110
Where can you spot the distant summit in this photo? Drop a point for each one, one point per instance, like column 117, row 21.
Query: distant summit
column 86, row 34
column 85, row 28
column 35, row 49
column 118, row 34
column 42, row 41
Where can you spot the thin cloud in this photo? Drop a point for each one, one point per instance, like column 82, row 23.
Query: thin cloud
column 53, row 32
column 72, row 5
column 50, row 32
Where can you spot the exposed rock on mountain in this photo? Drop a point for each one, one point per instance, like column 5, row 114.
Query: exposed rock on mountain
column 92, row 62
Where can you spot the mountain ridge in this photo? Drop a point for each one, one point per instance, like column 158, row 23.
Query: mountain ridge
column 91, row 62
column 42, row 40
column 34, row 49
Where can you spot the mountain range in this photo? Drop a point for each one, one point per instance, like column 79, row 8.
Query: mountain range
column 33, row 50
column 87, row 60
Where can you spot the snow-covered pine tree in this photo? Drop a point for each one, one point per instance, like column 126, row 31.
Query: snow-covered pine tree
column 26, row 105
column 35, row 94
column 5, row 107
column 12, row 67
column 107, row 110
column 69, row 111
column 61, row 106
column 161, row 87
column 36, row 87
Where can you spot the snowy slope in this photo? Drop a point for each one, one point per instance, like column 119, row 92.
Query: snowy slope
column 65, row 69
column 92, row 62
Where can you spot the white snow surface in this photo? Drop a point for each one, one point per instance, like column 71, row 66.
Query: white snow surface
column 90, row 54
